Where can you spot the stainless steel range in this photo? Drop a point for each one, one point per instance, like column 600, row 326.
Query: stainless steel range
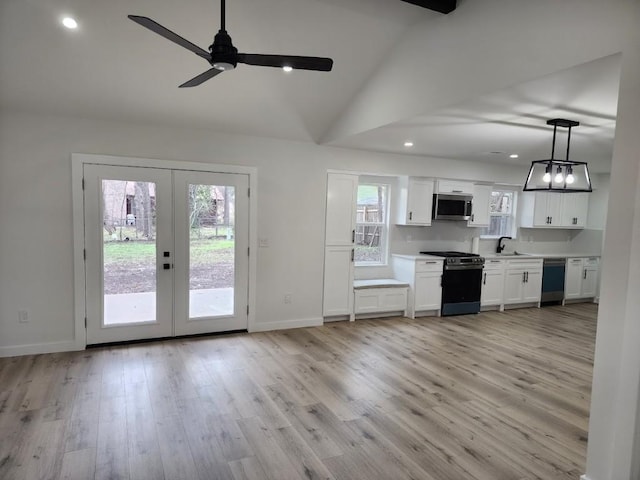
column 461, row 282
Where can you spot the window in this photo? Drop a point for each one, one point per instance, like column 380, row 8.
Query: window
column 502, row 214
column 371, row 224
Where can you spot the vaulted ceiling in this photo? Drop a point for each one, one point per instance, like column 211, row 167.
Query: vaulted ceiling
column 482, row 79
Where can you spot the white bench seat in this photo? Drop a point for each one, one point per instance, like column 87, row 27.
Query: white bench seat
column 380, row 295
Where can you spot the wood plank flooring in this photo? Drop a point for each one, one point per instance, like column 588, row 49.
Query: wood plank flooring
column 494, row 396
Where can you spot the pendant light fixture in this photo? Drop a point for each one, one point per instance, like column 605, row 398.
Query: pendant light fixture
column 553, row 175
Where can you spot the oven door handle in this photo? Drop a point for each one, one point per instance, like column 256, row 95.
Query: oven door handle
column 463, row 267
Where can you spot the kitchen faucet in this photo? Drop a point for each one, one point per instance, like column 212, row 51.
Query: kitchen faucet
column 500, row 247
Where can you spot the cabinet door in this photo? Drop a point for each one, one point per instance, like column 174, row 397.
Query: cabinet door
column 532, row 287
column 419, row 201
column 480, row 212
column 454, row 186
column 492, row 287
column 575, row 207
column 513, row 286
column 338, row 281
column 554, row 208
column 342, row 191
column 428, row 291
column 589, row 281
column 573, row 282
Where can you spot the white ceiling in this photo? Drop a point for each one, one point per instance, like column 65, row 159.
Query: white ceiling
column 112, row 68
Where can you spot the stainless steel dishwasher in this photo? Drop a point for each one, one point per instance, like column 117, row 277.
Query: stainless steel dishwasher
column 553, row 280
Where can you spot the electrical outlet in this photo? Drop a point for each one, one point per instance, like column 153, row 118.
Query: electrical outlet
column 23, row 316
column 263, row 242
column 287, row 298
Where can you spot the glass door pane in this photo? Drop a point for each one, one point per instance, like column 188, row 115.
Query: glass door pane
column 211, row 250
column 211, row 212
column 129, row 252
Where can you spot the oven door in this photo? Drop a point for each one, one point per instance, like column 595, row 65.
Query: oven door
column 461, row 288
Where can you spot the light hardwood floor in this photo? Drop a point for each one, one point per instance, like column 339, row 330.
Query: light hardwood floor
column 486, row 397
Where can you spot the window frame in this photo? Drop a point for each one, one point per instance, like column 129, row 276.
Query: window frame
column 385, row 231
column 513, row 214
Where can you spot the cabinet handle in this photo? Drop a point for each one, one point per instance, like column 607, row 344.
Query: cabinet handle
column 550, row 220
column 526, row 277
column 484, row 280
column 522, row 277
column 410, row 215
column 456, row 191
column 472, row 217
column 352, row 254
column 584, row 277
column 353, row 236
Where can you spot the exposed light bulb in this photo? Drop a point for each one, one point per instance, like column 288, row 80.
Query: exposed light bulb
column 559, row 177
column 546, row 178
column 570, row 179
column 69, row 23
column 287, row 68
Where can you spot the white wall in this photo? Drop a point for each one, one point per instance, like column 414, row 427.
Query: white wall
column 36, row 216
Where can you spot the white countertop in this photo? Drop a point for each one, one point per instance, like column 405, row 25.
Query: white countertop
column 538, row 255
column 420, row 256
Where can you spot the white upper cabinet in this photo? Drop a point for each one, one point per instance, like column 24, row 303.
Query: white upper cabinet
column 554, row 210
column 454, row 186
column 575, row 209
column 342, row 191
column 480, row 210
column 415, row 201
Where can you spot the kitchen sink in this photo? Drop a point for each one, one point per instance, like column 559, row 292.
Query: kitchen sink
column 513, row 254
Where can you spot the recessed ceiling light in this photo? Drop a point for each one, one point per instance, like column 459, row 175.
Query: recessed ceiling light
column 513, row 155
column 287, row 68
column 69, row 22
column 408, row 144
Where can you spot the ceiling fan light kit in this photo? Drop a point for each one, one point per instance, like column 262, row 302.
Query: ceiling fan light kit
column 553, row 175
column 223, row 56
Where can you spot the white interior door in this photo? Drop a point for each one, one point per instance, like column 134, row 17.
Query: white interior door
column 166, row 252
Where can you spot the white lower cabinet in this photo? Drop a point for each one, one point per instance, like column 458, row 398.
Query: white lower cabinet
column 581, row 278
column 523, row 281
column 338, row 281
column 424, row 276
column 492, row 293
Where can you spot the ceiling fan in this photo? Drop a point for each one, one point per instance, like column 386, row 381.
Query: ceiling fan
column 223, row 56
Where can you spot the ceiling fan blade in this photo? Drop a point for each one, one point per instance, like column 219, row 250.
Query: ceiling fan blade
column 203, row 77
column 301, row 63
column 169, row 35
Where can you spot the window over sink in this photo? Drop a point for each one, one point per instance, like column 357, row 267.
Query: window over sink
column 502, row 214
column 372, row 224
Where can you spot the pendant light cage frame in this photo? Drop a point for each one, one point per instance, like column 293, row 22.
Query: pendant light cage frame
column 555, row 175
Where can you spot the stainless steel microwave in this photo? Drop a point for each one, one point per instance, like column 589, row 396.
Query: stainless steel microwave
column 447, row 206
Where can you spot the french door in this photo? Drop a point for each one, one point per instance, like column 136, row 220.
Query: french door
column 166, row 252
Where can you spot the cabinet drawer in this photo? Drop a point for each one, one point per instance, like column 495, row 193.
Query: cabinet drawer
column 525, row 264
column 429, row 265
column 373, row 300
column 591, row 262
column 491, row 264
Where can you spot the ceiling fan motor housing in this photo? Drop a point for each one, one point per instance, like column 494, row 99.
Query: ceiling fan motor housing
column 224, row 56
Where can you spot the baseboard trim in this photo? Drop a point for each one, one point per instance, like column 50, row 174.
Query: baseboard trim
column 38, row 348
column 286, row 324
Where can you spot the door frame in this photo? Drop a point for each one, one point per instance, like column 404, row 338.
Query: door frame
column 78, row 160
